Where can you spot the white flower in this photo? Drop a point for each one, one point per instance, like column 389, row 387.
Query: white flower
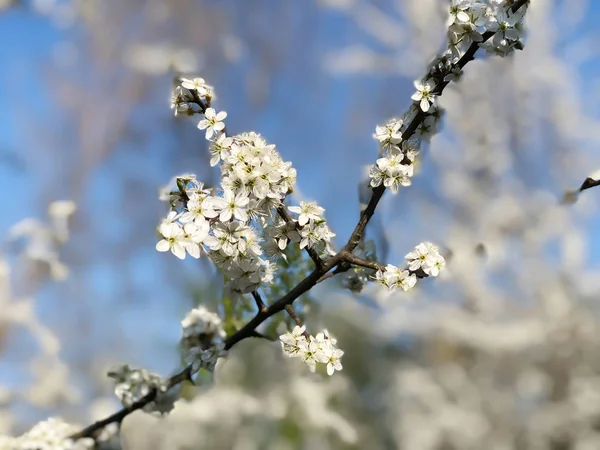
column 314, row 233
column 424, row 94
column 389, row 135
column 221, row 144
column 324, row 336
column 307, row 211
column 282, row 232
column 208, row 358
column 132, row 385
column 332, row 357
column 290, row 342
column 199, row 208
column 202, row 321
column 228, row 236
column 231, row 205
column 311, row 353
column 212, row 122
column 393, row 277
column 504, row 24
column 426, row 257
column 393, row 172
column 173, row 239
column 437, row 264
column 195, row 84
column 458, row 11
column 181, row 96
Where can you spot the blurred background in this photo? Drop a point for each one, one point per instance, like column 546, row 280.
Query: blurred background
column 501, row 352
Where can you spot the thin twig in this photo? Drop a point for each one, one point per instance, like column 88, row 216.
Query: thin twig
column 259, row 301
column 293, row 315
column 297, row 319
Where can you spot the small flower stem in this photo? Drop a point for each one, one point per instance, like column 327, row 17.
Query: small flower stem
column 259, row 301
column 293, row 315
column 297, row 319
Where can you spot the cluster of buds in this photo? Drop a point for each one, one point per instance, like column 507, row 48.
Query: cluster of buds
column 202, row 338
column 132, row 385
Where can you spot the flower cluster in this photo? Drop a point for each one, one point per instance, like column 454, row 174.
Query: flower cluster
column 318, row 349
column 425, row 260
column 395, row 167
column 468, row 21
column 312, row 227
column 51, row 434
column 202, row 338
column 394, row 277
column 191, row 96
column 205, row 358
column 132, row 385
column 279, row 235
column 230, row 223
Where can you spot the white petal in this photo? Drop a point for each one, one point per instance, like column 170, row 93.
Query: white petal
column 225, row 215
column 241, row 214
column 178, row 251
column 211, row 242
column 162, row 246
column 193, row 250
column 463, row 16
